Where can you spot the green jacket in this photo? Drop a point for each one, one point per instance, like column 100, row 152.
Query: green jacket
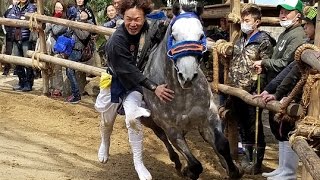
column 284, row 51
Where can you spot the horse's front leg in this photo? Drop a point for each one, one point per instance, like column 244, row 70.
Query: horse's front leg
column 194, row 167
column 174, row 157
column 212, row 133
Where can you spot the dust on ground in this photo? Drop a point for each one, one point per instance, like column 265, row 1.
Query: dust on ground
column 47, row 139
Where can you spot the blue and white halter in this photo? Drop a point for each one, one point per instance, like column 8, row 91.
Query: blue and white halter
column 185, row 48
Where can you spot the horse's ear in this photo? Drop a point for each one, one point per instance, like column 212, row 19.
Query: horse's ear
column 176, row 8
column 199, row 8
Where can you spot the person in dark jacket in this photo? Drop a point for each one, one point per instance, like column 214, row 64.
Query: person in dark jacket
column 9, row 38
column 289, row 40
column 285, row 81
column 127, row 83
column 252, row 46
column 82, row 13
column 53, row 31
column 21, row 44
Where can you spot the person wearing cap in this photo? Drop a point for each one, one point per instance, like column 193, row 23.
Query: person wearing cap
column 310, row 26
column 277, row 89
column 291, row 19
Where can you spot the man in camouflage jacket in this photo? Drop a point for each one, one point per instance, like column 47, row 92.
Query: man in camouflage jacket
column 252, row 46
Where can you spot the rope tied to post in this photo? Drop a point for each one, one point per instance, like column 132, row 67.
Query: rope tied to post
column 36, row 63
column 303, row 83
column 234, row 18
column 36, row 60
column 33, row 23
column 220, row 53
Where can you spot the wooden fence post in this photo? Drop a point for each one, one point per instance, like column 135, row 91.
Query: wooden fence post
column 42, row 38
column 313, row 109
column 232, row 125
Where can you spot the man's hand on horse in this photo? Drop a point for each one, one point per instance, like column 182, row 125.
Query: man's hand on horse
column 163, row 93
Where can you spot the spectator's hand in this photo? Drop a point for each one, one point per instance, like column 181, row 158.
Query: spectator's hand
column 258, row 69
column 163, row 93
column 257, row 63
column 264, row 93
column 268, row 98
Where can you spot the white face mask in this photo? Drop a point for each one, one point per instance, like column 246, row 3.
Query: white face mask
column 246, row 28
column 288, row 23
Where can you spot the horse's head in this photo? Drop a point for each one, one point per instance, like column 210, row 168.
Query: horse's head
column 186, row 43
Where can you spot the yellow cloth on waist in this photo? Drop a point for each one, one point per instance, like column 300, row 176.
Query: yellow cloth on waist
column 105, row 80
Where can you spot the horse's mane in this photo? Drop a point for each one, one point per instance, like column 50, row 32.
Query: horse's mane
column 190, row 7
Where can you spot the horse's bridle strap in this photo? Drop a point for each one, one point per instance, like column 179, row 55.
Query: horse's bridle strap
column 186, row 47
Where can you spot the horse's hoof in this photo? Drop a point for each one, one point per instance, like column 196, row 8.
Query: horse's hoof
column 103, row 155
column 236, row 174
column 192, row 172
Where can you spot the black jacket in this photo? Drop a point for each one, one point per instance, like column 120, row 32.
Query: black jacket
column 122, row 49
column 285, row 81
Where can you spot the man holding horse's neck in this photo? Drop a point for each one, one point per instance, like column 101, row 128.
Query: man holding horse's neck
column 123, row 50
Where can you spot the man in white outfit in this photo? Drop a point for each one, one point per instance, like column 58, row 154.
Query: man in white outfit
column 127, row 83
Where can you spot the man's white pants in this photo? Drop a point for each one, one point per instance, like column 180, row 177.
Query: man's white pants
column 133, row 110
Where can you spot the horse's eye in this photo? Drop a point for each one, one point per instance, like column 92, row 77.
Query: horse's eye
column 202, row 36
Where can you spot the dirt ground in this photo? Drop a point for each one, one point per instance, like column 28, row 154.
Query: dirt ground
column 47, row 139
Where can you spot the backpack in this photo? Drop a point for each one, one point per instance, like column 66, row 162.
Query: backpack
column 88, row 50
column 64, row 45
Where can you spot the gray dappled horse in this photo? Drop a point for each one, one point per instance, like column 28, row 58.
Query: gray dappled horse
column 193, row 106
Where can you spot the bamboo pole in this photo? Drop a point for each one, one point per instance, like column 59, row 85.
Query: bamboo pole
column 73, row 24
column 42, row 38
column 67, row 63
column 17, row 23
column 23, row 61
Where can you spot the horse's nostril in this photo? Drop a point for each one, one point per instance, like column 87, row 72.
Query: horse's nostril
column 195, row 76
column 180, row 76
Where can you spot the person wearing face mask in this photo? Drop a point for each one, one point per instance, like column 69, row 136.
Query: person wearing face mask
column 252, row 46
column 53, row 31
column 290, row 12
column 278, row 89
